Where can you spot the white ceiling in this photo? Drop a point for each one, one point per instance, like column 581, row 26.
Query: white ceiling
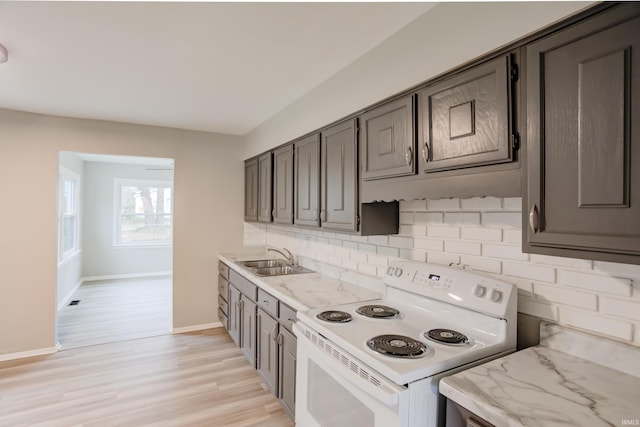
column 219, row 67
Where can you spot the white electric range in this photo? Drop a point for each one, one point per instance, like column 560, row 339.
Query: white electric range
column 378, row 363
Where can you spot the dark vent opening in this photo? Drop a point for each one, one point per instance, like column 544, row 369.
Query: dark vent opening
column 75, row 302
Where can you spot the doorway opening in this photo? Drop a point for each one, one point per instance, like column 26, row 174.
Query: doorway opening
column 114, row 277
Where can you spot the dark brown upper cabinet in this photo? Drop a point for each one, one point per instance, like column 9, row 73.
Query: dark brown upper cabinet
column 307, row 181
column 264, row 187
column 388, row 140
column 339, row 177
column 283, row 185
column 464, row 120
column 582, row 197
column 251, row 189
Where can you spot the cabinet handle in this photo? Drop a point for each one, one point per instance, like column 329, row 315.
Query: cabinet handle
column 425, row 152
column 323, row 215
column 533, row 219
column 273, row 213
column 273, row 333
column 408, row 156
column 279, row 341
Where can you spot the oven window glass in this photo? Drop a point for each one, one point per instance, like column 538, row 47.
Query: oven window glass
column 333, row 405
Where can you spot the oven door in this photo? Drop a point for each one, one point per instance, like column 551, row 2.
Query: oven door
column 335, row 389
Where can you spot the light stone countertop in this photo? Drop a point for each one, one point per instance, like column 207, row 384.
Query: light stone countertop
column 325, row 287
column 546, row 385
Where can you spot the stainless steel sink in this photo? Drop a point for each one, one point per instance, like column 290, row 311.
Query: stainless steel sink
column 281, row 270
column 264, row 263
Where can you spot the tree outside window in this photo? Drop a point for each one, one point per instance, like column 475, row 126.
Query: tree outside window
column 145, row 214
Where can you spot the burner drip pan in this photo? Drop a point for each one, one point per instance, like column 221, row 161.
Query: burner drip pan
column 446, row 336
column 378, row 311
column 397, row 346
column 334, row 316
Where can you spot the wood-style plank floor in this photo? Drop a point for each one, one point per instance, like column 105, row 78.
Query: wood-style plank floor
column 116, row 310
column 196, row 379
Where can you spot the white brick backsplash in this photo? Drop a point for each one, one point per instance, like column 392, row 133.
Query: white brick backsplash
column 413, row 255
column 480, row 233
column 512, row 252
column 342, row 252
column 565, row 295
column 428, row 218
column 428, row 244
column 443, row 231
column 335, row 260
column 388, row 252
column 512, row 203
column 482, row 264
column 626, row 270
column 377, row 260
column 597, row 323
column 378, row 240
column 480, row 203
column 460, row 247
column 413, row 230
column 413, row 205
column 349, row 244
column 442, row 258
column 607, row 284
column 364, row 247
column 561, row 262
column 358, row 256
column 401, row 242
column 512, row 236
column 502, row 219
column 350, row 264
column 528, row 271
column 335, row 242
column 406, row 218
column 537, row 308
column 620, row 308
column 443, row 205
column 462, row 218
column 371, row 270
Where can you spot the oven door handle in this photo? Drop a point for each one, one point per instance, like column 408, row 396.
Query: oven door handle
column 381, row 388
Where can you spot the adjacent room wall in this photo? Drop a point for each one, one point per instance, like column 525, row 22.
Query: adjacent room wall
column 208, row 183
column 101, row 257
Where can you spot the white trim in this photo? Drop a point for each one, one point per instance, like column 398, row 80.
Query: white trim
column 192, row 328
column 127, row 276
column 67, row 298
column 25, row 354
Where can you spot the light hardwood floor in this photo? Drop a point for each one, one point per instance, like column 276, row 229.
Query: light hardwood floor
column 196, row 379
column 116, row 310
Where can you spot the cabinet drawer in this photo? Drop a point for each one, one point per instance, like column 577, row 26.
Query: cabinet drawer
column 247, row 288
column 268, row 303
column 223, row 269
column 224, row 319
column 287, row 316
column 223, row 288
column 223, row 305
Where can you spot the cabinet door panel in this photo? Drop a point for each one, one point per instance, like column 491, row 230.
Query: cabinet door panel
column 234, row 314
column 388, row 140
column 339, row 177
column 307, row 181
column 264, row 188
column 248, row 329
column 251, row 190
column 283, row 185
column 268, row 349
column 584, row 148
column 465, row 119
column 287, row 383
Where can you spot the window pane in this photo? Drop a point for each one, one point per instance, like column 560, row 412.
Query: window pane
column 68, row 196
column 68, row 234
column 145, row 214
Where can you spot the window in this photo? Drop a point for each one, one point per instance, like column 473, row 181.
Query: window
column 143, row 212
column 68, row 241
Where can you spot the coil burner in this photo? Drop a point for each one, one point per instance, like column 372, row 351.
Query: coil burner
column 334, row 316
column 397, row 346
column 446, row 336
column 378, row 311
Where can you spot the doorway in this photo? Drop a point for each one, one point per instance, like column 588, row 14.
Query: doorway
column 115, row 234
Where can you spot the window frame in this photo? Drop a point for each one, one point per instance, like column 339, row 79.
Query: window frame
column 66, row 174
column 118, row 183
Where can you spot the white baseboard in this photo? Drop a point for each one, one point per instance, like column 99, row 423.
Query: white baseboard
column 192, row 328
column 30, row 353
column 67, row 298
column 127, row 276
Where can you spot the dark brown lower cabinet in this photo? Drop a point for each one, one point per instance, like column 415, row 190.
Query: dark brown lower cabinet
column 267, row 346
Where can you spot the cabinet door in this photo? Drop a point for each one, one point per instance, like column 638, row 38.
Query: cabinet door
column 283, row 185
column 287, row 367
column 267, row 357
column 234, row 314
column 251, row 190
column 264, row 188
column 248, row 329
column 388, row 140
column 339, row 177
column 464, row 120
column 307, row 181
column 583, row 93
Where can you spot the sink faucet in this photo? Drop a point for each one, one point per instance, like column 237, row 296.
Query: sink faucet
column 289, row 256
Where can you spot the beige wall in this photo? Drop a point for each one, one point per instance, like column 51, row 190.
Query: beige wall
column 208, row 214
column 445, row 37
